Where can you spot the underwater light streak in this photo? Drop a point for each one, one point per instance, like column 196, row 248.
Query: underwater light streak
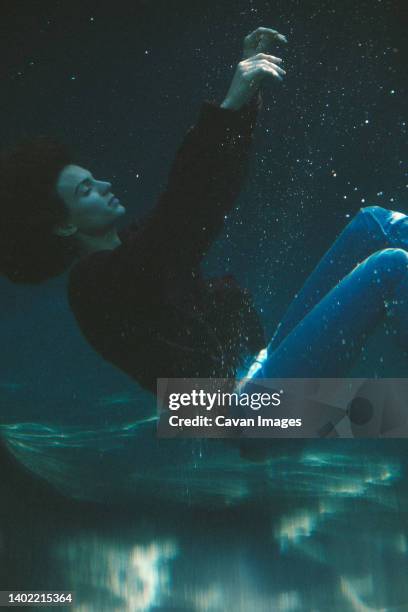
column 138, row 576
column 351, row 595
column 145, row 576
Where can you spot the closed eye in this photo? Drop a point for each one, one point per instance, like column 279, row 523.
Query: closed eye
column 85, row 183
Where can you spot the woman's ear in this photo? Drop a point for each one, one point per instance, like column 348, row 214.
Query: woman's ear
column 64, row 231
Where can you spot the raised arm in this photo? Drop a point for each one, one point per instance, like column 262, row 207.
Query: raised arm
column 210, row 166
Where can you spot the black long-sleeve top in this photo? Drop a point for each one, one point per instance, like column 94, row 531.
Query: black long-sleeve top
column 145, row 305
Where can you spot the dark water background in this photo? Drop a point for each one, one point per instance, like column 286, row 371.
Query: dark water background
column 122, row 85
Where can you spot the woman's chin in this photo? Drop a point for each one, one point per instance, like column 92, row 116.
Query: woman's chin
column 119, row 210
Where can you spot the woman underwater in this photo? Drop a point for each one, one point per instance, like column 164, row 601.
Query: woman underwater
column 141, row 301
column 139, row 296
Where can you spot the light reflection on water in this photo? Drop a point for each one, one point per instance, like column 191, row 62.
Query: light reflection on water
column 200, row 572
column 127, row 577
column 128, row 460
column 324, row 528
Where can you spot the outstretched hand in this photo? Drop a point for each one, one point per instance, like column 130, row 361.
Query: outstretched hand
column 256, row 65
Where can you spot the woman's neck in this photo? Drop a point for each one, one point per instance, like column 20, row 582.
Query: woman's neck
column 92, row 244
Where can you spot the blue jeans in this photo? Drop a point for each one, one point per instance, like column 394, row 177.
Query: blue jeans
column 362, row 279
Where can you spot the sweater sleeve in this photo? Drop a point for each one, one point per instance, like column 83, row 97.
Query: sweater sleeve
column 204, row 182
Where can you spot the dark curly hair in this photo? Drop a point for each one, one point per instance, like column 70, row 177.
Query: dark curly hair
column 30, row 209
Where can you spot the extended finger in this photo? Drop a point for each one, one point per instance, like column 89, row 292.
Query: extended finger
column 276, row 71
column 270, row 33
column 262, row 60
column 268, row 57
column 260, row 71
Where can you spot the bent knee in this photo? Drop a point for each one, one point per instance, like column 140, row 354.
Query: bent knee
column 375, row 219
column 373, row 210
column 390, row 260
column 371, row 219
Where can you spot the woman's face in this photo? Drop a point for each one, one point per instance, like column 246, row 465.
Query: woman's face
column 93, row 209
